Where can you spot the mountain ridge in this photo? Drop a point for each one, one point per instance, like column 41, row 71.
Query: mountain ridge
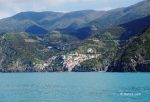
column 75, row 41
column 50, row 20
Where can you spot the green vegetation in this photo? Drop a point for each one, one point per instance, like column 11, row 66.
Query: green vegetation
column 112, row 33
column 94, row 64
column 135, row 55
column 19, row 50
column 123, row 15
column 89, row 40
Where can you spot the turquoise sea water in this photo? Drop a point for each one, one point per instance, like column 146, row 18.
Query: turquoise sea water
column 75, row 87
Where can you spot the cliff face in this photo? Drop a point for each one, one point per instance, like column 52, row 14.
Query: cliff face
column 135, row 56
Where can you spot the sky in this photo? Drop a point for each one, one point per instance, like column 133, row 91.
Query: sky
column 12, row 7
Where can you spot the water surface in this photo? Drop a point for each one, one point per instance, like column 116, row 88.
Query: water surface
column 75, row 87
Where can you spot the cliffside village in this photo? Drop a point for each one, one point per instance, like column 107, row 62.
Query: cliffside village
column 71, row 60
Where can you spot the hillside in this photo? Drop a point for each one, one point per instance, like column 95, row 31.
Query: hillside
column 48, row 20
column 123, row 32
column 134, row 28
column 79, row 41
column 123, row 15
column 135, row 56
column 22, row 52
column 107, row 42
column 76, row 23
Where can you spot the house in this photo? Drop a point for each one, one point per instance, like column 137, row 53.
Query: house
column 90, row 50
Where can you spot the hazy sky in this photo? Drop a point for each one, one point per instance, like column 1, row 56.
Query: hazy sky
column 11, row 7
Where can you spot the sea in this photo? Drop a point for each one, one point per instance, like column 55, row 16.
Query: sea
column 75, row 87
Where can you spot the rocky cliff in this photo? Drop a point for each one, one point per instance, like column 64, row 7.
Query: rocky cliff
column 135, row 55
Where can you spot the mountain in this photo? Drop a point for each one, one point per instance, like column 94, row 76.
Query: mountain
column 134, row 28
column 135, row 56
column 88, row 40
column 24, row 20
column 36, row 30
column 75, row 20
column 118, row 22
column 123, row 15
column 22, row 52
column 48, row 20
column 108, row 43
column 123, row 32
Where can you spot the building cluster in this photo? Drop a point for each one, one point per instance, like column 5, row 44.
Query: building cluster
column 74, row 59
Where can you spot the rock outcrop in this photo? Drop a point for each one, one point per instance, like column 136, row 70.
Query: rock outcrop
column 135, row 55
